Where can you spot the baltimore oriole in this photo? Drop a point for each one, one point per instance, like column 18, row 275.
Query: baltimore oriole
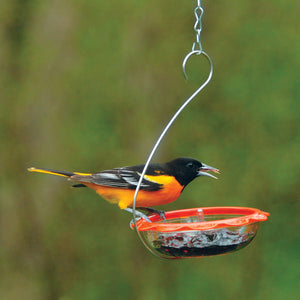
column 162, row 183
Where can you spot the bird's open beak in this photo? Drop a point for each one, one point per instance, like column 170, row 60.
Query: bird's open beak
column 202, row 171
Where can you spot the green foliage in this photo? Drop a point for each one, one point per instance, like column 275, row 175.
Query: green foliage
column 89, row 85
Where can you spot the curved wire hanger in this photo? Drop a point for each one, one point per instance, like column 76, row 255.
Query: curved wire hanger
column 197, row 27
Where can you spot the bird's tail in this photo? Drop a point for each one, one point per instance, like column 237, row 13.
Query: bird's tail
column 54, row 172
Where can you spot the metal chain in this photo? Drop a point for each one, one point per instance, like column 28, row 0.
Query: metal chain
column 197, row 46
column 198, row 27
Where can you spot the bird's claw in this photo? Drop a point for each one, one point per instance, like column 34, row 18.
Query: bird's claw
column 161, row 213
column 140, row 215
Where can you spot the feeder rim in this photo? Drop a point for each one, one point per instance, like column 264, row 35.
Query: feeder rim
column 249, row 215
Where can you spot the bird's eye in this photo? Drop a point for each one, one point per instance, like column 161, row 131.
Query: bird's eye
column 190, row 165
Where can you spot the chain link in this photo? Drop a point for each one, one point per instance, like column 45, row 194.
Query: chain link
column 198, row 27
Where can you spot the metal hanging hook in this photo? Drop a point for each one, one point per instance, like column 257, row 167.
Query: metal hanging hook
column 182, row 107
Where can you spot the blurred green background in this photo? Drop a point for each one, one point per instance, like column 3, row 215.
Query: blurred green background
column 89, row 85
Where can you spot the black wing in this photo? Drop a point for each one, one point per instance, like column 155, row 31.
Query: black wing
column 126, row 177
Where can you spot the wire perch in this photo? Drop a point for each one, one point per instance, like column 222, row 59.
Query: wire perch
column 178, row 112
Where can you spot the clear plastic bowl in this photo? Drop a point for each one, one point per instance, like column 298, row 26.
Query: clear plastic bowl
column 200, row 232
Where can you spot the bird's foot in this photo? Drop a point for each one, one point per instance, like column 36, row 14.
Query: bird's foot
column 138, row 214
column 150, row 210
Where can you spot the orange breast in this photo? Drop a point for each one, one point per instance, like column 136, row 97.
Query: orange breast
column 124, row 197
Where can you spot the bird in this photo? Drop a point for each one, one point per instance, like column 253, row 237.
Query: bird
column 162, row 183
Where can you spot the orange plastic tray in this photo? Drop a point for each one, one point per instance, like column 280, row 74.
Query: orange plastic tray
column 248, row 215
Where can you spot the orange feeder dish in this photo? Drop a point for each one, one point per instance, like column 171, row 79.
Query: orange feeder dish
column 202, row 231
column 197, row 232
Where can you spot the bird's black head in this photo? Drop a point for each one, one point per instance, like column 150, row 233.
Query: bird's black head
column 186, row 169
